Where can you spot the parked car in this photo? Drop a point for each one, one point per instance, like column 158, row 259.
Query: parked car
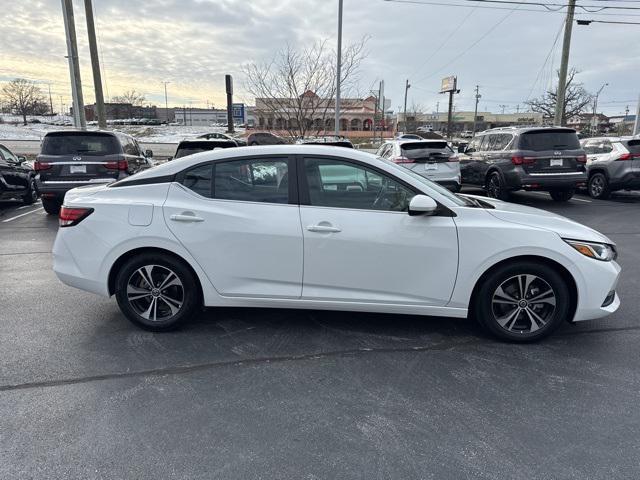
column 17, row 178
column 189, row 147
column 612, row 164
column 424, row 129
column 466, row 134
column 328, row 141
column 234, row 227
column 264, row 138
column 409, row 136
column 503, row 160
column 240, row 142
column 72, row 158
column 433, row 159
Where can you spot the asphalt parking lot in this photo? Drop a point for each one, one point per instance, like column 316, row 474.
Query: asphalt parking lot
column 246, row 393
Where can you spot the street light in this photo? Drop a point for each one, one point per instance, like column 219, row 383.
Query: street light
column 595, row 119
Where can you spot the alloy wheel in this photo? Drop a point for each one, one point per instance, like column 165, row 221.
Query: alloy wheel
column 155, row 293
column 494, row 187
column 523, row 304
column 597, row 185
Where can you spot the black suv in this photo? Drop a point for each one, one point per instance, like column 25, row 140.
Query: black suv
column 503, row 160
column 16, row 178
column 73, row 158
column 264, row 138
column 189, row 147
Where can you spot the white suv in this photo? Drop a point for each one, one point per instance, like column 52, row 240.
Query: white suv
column 432, row 159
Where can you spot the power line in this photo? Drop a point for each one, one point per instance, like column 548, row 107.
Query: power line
column 551, row 50
column 558, row 5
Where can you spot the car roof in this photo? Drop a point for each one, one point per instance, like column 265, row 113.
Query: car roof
column 205, row 141
column 179, row 164
column 523, row 129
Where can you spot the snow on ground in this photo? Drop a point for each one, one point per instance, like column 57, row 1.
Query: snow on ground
column 144, row 133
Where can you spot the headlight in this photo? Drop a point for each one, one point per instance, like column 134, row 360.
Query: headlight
column 599, row 251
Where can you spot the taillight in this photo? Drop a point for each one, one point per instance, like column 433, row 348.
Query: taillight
column 625, row 156
column 518, row 160
column 401, row 160
column 581, row 159
column 453, row 158
column 70, row 216
column 39, row 166
column 119, row 165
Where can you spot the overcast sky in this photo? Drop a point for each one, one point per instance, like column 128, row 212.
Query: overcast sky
column 193, row 43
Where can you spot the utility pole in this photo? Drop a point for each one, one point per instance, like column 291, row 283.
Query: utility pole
column 564, row 65
column 50, row 99
column 166, row 102
column 339, row 68
column 636, row 126
column 79, row 119
column 475, row 114
column 452, row 90
column 406, row 89
column 95, row 65
column 381, row 101
column 502, row 107
column 228, row 80
column 595, row 121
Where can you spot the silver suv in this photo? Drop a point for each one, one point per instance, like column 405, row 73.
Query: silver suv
column 433, row 159
column 613, row 164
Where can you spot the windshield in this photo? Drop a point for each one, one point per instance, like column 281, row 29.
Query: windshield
column 80, row 143
column 541, row 140
column 459, row 201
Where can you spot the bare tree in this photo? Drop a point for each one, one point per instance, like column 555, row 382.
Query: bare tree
column 577, row 100
column 295, row 91
column 24, row 98
column 133, row 97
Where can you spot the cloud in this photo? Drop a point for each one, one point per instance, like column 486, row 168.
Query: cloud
column 194, row 43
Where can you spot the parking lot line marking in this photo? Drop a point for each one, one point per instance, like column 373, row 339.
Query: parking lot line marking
column 22, row 215
column 582, row 200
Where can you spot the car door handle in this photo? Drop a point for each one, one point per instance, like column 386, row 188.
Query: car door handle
column 323, row 229
column 186, row 218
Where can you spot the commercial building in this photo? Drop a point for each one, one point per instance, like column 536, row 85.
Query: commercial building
column 463, row 121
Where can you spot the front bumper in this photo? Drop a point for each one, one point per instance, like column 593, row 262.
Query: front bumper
column 598, row 280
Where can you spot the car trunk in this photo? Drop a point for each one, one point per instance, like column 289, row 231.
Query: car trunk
column 80, row 157
column 429, row 159
column 550, row 151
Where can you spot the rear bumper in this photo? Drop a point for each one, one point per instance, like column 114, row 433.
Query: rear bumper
column 53, row 189
column 542, row 181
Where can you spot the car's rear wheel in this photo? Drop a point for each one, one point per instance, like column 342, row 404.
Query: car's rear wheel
column 496, row 187
column 52, row 207
column 561, row 195
column 157, row 292
column 599, row 186
column 32, row 194
column 522, row 301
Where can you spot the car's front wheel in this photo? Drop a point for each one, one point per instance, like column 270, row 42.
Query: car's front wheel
column 522, row 301
column 157, row 292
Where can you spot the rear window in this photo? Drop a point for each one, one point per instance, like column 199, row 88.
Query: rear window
column 633, row 146
column 80, row 144
column 197, row 147
column 541, row 140
column 424, row 149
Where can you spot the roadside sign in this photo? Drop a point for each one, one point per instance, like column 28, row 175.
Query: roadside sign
column 448, row 84
column 238, row 112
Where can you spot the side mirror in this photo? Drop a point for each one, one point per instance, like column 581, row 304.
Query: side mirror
column 422, row 205
column 148, row 153
column 22, row 158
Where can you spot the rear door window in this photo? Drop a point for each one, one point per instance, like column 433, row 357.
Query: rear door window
column 252, row 180
column 542, row 140
column 80, row 144
column 198, row 179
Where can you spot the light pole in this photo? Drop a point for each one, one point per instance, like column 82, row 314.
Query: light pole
column 595, row 121
column 166, row 103
column 475, row 114
column 406, row 90
column 339, row 68
column 564, row 65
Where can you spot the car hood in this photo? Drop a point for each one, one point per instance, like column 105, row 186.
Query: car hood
column 534, row 217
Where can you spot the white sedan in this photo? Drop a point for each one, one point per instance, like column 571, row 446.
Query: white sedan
column 318, row 227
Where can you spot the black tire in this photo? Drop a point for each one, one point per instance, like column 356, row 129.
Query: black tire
column 496, row 187
column 491, row 307
column 131, row 283
column 32, row 194
column 52, row 207
column 561, row 195
column 598, row 186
